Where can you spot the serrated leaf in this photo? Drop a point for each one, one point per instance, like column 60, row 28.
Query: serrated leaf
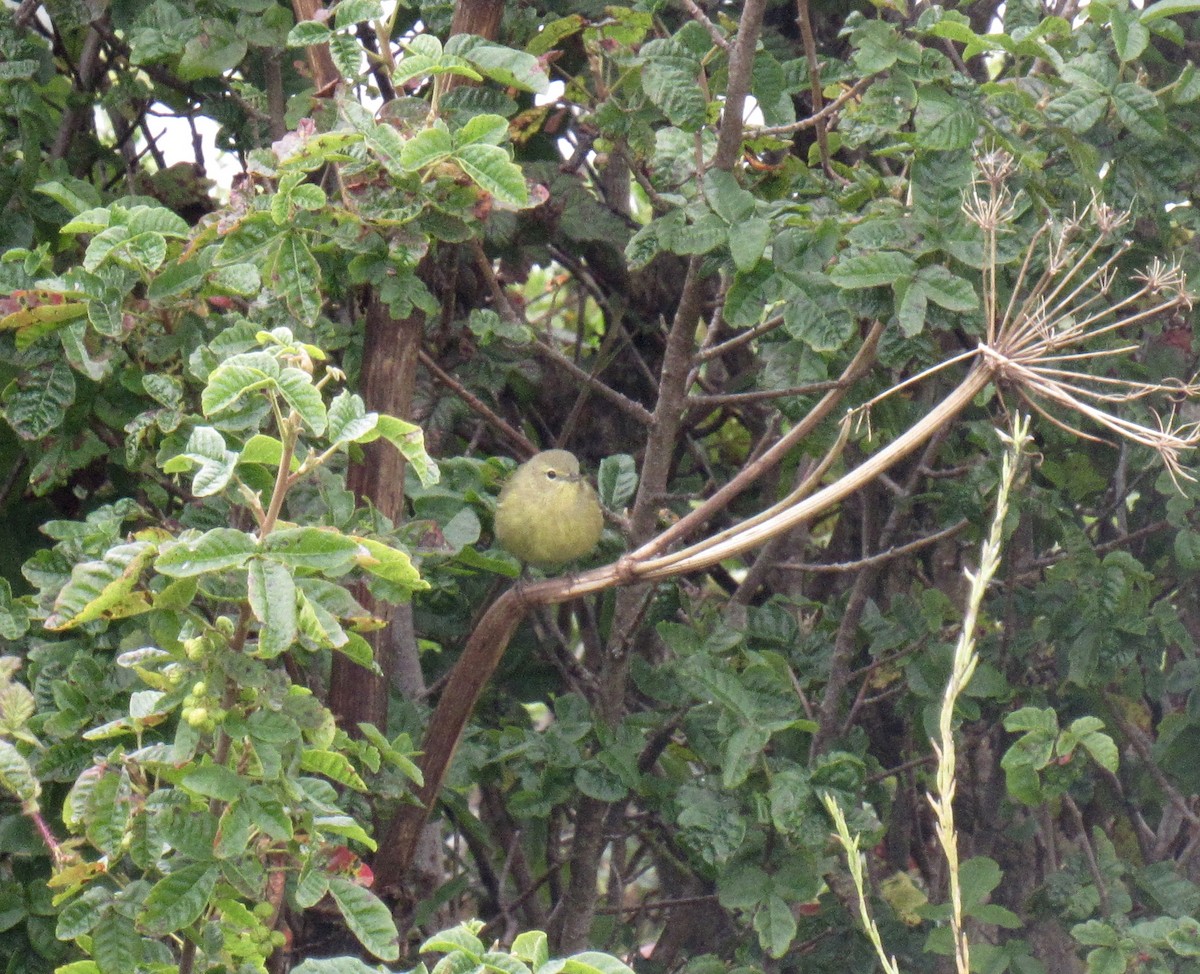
column 116, row 945
column 307, row 33
column 272, row 595
column 216, row 550
column 333, row 765
column 428, row 147
column 494, row 172
column 409, row 439
column 104, row 588
column 35, row 404
column 237, row 377
column 1078, row 109
column 504, row 65
column 14, row 616
column 871, row 270
column 670, row 79
column 1139, row 110
column 594, row 962
column 17, row 778
column 748, row 242
column 214, row 781
column 617, row 480
column 350, row 12
column 296, row 386
column 775, row 925
column 349, row 419
column 178, row 899
column 322, row 549
column 947, row 290
column 298, row 277
column 389, row 563
column 367, row 917
column 944, row 121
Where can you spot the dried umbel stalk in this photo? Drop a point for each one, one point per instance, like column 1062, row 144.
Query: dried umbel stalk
column 1038, row 346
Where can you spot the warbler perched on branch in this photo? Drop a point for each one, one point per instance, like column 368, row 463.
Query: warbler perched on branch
column 548, row 513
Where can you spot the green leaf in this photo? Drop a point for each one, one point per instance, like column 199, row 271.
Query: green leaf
column 307, row 33
column 741, row 752
column 297, row 388
column 213, row 52
column 81, row 915
column 340, row 965
column 348, row 419
column 367, row 917
column 775, row 925
column 347, row 55
column 1129, row 34
column 1078, row 109
column 116, row 945
column 17, row 778
column 458, row 938
column 532, row 947
column 348, row 13
column 727, row 198
column 671, row 80
column 218, row 549
column 272, row 595
column 206, row 449
column 14, row 616
column 1139, row 110
column 505, row 66
column 617, row 480
column 35, row 404
column 214, row 781
column 978, row 876
column 1168, row 8
column 944, row 121
column 333, row 765
column 389, row 563
column 104, row 588
column 409, row 439
column 1187, row 549
column 806, row 320
column 871, row 270
column 239, row 278
column 1107, row 960
column 748, row 241
column 914, row 303
column 594, row 962
column 178, row 899
column 298, row 277
column 322, row 549
column 946, row 289
column 427, row 148
column 74, row 195
column 237, row 376
column 494, row 172
column 486, row 129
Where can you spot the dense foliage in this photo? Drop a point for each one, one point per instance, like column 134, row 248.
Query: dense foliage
column 776, row 272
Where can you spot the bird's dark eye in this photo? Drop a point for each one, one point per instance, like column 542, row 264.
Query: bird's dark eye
column 551, row 474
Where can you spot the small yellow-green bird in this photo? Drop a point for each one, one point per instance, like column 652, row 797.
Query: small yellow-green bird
column 548, row 513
